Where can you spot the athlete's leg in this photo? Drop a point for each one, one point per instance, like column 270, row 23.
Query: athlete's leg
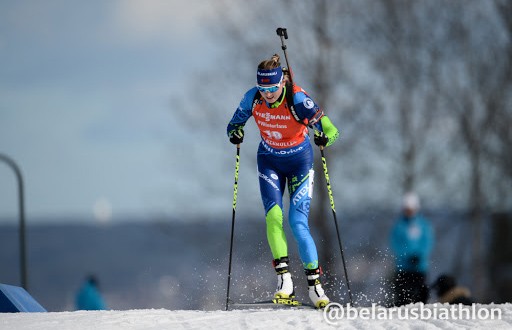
column 271, row 188
column 272, row 185
column 300, row 199
column 300, row 187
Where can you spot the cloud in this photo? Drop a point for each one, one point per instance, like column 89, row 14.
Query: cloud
column 157, row 19
column 109, row 22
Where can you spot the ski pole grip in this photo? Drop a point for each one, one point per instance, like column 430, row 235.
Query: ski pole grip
column 282, row 32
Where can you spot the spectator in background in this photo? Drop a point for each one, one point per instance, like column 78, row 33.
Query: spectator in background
column 411, row 239
column 88, row 296
column 449, row 292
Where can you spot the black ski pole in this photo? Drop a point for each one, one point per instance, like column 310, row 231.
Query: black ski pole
column 235, row 191
column 331, row 199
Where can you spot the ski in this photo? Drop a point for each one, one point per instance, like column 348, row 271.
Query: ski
column 290, row 302
column 275, row 303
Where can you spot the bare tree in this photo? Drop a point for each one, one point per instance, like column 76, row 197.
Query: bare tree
column 499, row 99
column 417, row 88
column 405, row 52
column 475, row 94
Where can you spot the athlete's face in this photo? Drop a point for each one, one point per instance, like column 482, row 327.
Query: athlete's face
column 272, row 96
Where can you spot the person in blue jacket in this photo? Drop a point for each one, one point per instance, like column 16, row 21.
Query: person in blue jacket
column 412, row 239
column 89, row 297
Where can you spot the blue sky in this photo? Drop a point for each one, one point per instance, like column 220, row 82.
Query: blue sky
column 85, row 91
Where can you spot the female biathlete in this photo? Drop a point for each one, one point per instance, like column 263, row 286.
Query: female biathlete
column 285, row 156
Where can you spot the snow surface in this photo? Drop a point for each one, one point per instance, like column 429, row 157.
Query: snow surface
column 238, row 319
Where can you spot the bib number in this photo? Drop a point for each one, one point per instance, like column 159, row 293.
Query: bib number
column 274, row 134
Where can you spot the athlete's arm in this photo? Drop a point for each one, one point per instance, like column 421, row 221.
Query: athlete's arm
column 308, row 109
column 242, row 113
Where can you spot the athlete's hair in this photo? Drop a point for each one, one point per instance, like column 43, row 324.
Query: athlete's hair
column 273, row 63
column 270, row 64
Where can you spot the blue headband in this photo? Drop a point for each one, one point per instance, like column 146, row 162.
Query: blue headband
column 269, row 77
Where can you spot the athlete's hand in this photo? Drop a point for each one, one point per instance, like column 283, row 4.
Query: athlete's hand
column 320, row 139
column 236, row 136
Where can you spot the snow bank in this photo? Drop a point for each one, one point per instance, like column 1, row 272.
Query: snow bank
column 265, row 318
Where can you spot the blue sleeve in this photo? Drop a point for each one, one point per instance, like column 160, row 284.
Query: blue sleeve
column 306, row 108
column 243, row 112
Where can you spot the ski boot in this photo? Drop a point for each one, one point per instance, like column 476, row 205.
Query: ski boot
column 315, row 290
column 284, row 279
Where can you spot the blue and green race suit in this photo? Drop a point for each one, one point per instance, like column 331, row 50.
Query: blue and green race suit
column 279, row 166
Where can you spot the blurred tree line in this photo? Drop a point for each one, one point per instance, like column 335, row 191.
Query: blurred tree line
column 421, row 90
